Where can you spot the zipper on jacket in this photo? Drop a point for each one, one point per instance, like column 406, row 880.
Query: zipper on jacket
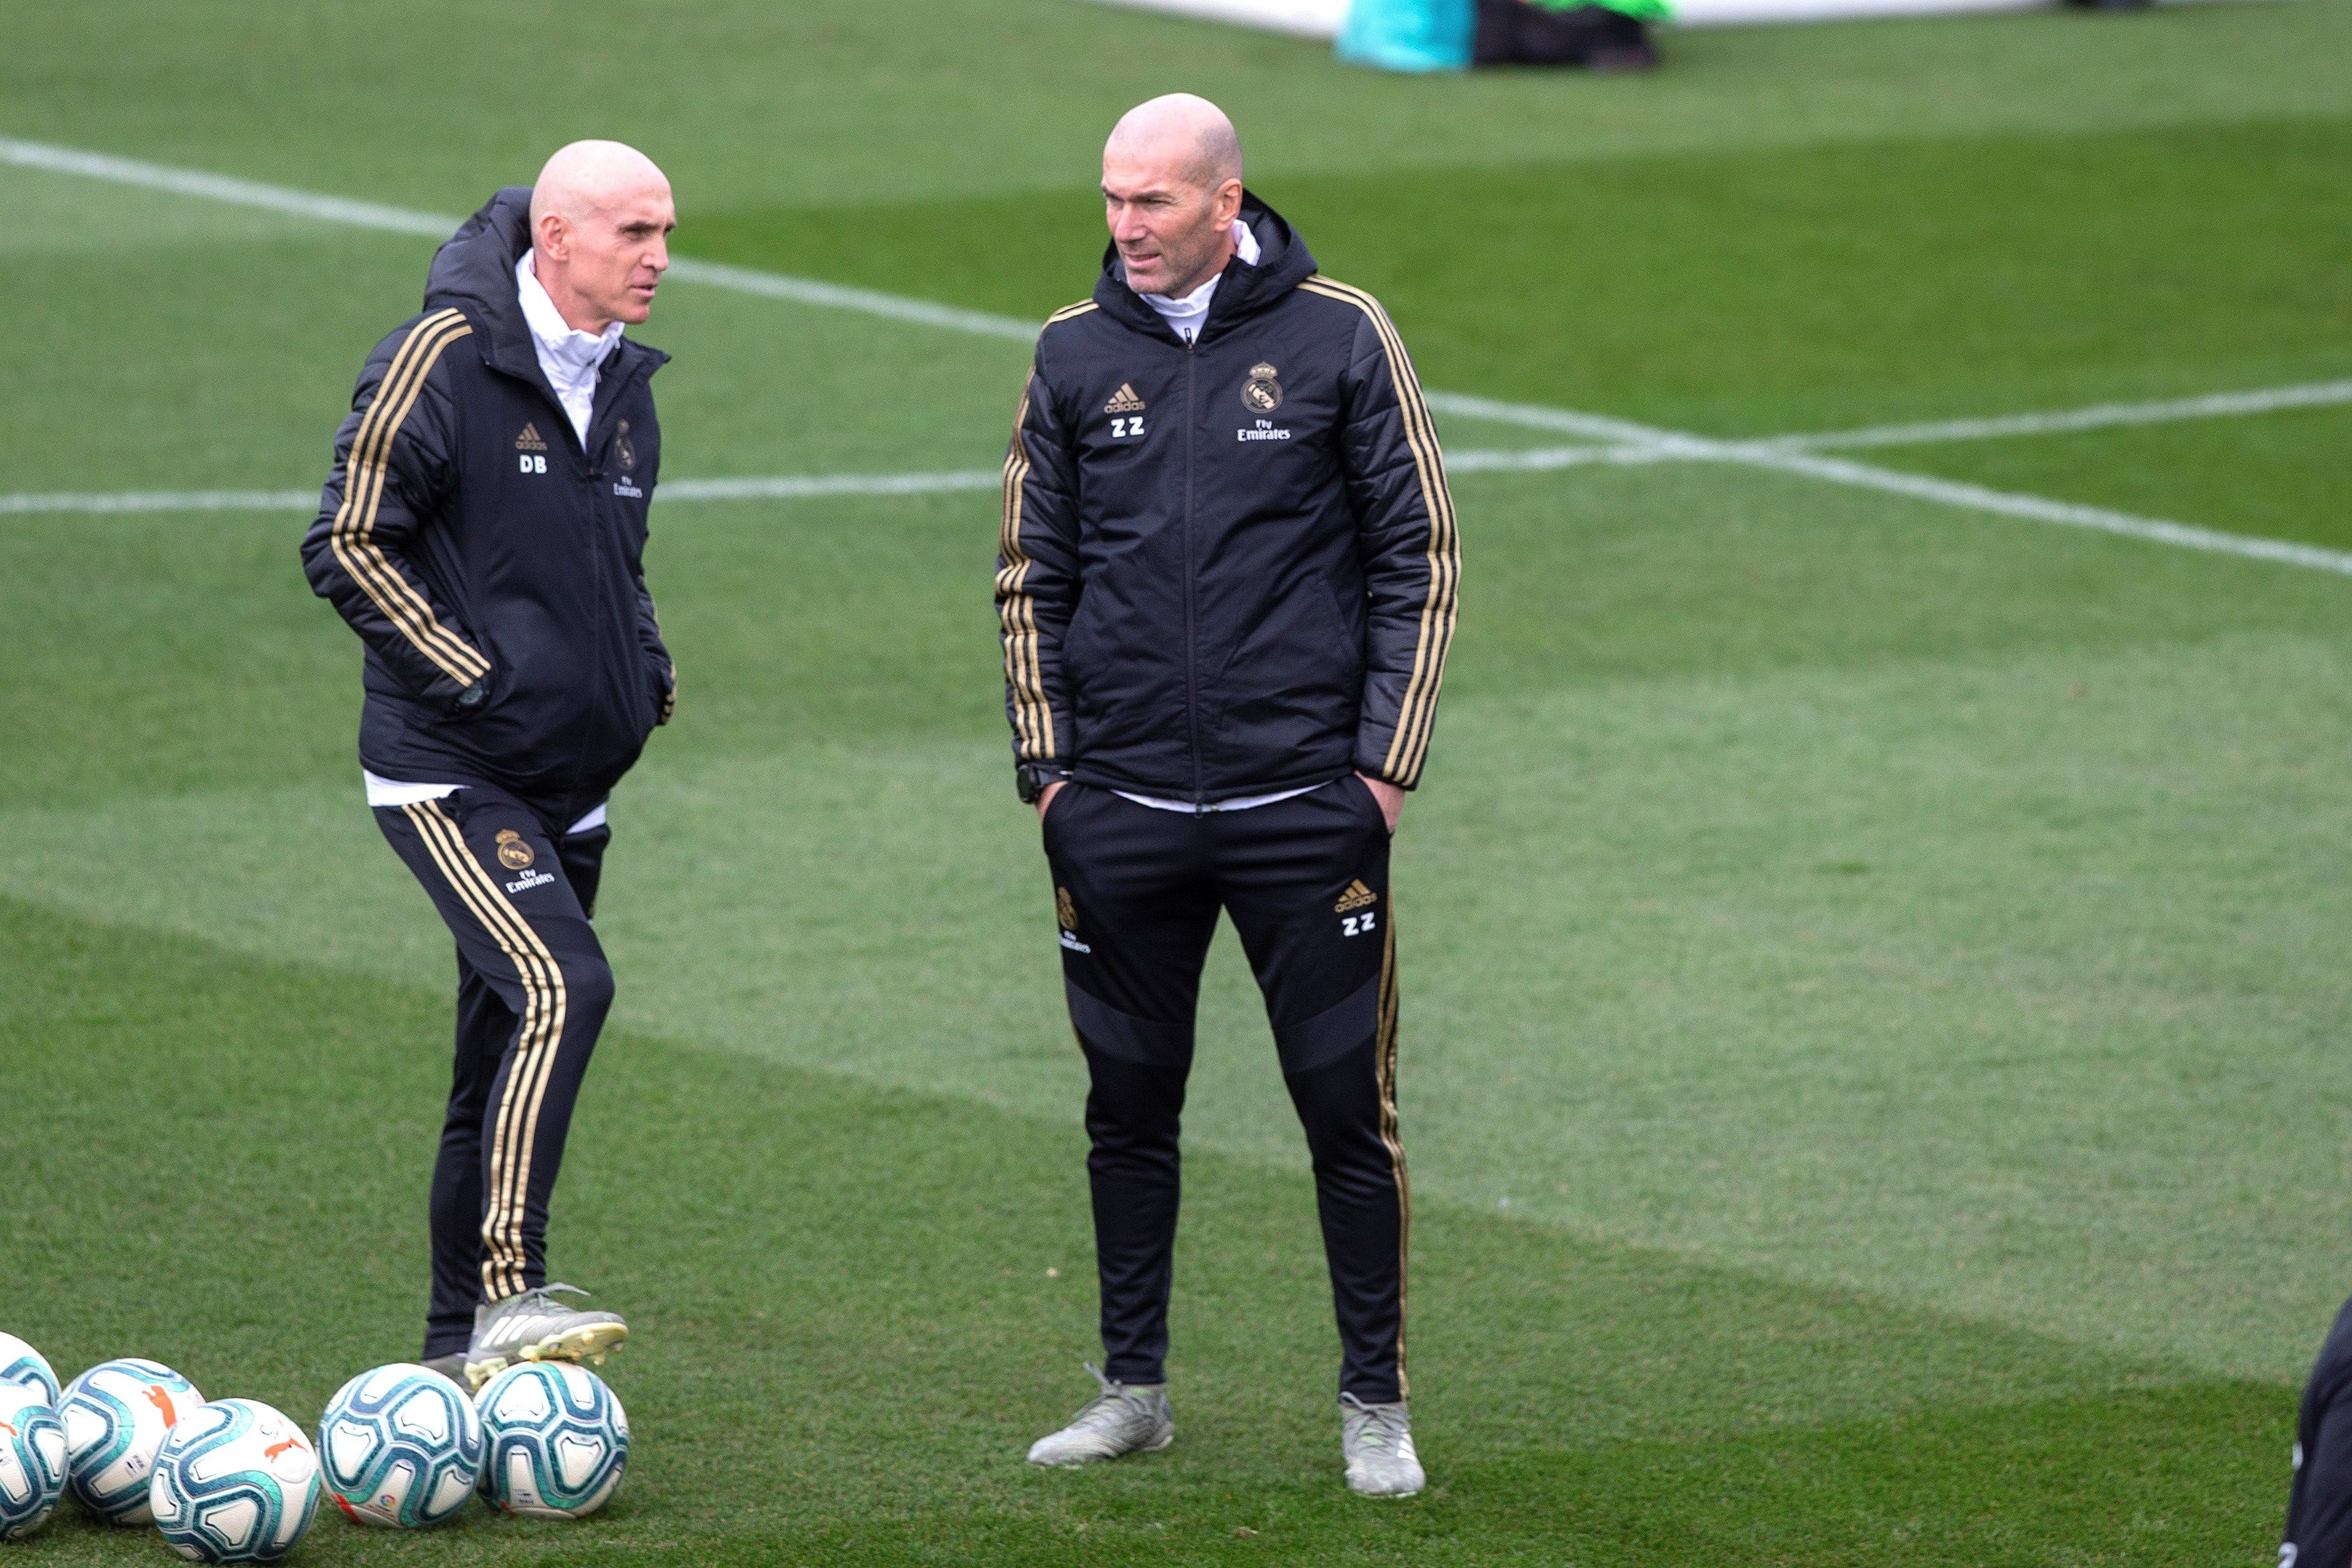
column 1191, row 680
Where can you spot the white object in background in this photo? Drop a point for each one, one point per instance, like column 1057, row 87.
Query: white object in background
column 1321, row 18
column 1736, row 13
column 1306, row 19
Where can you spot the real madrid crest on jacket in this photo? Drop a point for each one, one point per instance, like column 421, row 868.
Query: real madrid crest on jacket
column 1226, row 567
column 507, row 643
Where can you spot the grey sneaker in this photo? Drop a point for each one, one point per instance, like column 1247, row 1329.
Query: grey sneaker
column 1119, row 1420
column 534, row 1326
column 1378, row 1442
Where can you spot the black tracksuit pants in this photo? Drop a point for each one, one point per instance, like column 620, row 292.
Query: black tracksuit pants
column 1138, row 890
column 532, row 991
column 2319, row 1505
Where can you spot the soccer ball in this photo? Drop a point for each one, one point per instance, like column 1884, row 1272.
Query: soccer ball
column 32, row 1460
column 237, row 1482
column 557, row 1440
column 400, row 1446
column 20, row 1363
column 116, row 1414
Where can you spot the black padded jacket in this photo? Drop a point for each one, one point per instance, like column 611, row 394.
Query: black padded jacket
column 491, row 561
column 1225, row 568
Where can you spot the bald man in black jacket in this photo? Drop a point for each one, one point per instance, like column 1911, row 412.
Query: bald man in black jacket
column 1226, row 583
column 483, row 532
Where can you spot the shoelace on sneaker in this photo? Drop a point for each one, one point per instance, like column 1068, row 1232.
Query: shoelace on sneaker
column 1384, row 1426
column 1103, row 1410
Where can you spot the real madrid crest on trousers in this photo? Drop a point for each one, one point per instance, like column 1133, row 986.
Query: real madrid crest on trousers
column 532, row 991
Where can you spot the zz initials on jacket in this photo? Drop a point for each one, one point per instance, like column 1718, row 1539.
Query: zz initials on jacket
column 1128, row 411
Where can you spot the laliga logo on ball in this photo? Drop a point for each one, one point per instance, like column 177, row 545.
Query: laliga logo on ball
column 235, row 1482
column 401, row 1446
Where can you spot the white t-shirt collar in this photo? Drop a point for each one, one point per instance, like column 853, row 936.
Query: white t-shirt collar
column 1186, row 315
column 569, row 359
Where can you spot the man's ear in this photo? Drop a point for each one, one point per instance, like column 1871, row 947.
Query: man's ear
column 1229, row 200
column 554, row 236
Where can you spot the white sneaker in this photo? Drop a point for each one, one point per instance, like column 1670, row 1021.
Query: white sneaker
column 1119, row 1420
column 1377, row 1440
column 533, row 1326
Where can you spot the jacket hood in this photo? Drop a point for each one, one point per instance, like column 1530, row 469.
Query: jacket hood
column 474, row 271
column 1282, row 263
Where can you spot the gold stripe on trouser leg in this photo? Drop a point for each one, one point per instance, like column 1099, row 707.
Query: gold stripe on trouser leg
column 526, row 1085
column 448, row 851
column 518, row 1112
column 541, row 1032
column 1385, row 1059
column 526, row 968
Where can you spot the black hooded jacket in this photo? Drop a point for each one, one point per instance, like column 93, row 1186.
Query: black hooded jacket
column 489, row 561
column 1225, row 568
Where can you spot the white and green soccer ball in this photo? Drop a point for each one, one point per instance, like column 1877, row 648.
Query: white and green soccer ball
column 400, row 1447
column 32, row 1459
column 116, row 1415
column 20, row 1363
column 238, row 1481
column 557, row 1440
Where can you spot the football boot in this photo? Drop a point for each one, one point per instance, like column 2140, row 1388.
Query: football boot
column 1377, row 1441
column 533, row 1325
column 1121, row 1419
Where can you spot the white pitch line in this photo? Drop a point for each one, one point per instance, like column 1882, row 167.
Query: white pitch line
column 807, row 486
column 222, row 188
column 1546, row 459
column 162, row 501
column 770, row 487
column 2098, row 416
column 1628, row 442
column 2042, row 509
column 982, row 323
column 779, row 487
column 435, row 225
column 1648, row 443
column 811, row 486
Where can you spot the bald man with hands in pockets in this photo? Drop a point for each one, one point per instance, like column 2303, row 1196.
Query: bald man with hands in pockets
column 483, row 531
column 1226, row 585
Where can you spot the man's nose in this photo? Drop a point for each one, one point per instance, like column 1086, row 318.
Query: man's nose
column 659, row 258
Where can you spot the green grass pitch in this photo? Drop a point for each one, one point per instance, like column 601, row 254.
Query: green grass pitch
column 1875, row 1062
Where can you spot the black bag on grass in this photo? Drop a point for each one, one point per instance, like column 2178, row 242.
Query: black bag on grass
column 1523, row 32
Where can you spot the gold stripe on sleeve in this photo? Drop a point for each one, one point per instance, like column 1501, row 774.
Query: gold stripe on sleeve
column 368, row 569
column 364, row 477
column 1416, row 717
column 1023, row 671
